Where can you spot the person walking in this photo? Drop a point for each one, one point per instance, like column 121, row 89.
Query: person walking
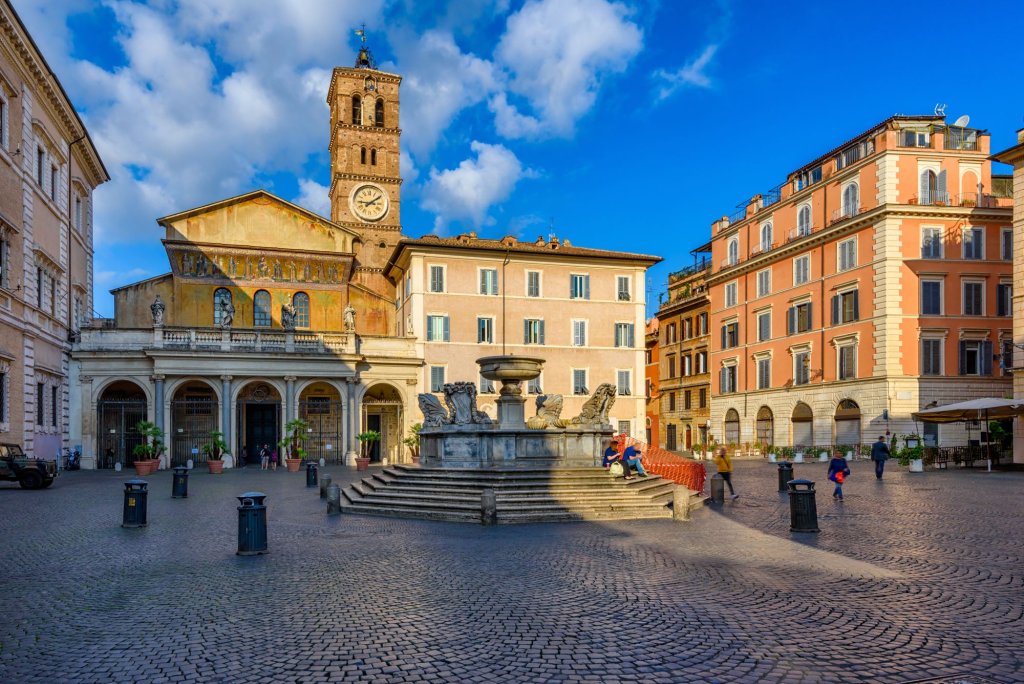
column 724, row 465
column 838, row 471
column 880, row 454
column 264, row 457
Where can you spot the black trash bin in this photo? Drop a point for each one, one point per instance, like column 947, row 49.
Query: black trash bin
column 179, row 485
column 136, row 494
column 785, row 475
column 803, row 511
column 252, row 524
column 311, row 473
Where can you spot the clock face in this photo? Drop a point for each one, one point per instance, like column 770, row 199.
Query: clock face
column 369, row 202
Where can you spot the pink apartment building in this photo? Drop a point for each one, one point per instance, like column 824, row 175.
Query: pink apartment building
column 874, row 282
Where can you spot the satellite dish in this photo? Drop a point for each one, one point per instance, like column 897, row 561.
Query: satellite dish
column 962, row 121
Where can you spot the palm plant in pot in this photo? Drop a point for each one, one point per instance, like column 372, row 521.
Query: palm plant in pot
column 146, row 456
column 296, row 435
column 413, row 442
column 214, row 451
column 366, row 440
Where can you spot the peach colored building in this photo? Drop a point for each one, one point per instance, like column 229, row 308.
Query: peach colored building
column 652, row 372
column 580, row 309
column 874, row 282
column 1015, row 157
column 48, row 171
column 685, row 383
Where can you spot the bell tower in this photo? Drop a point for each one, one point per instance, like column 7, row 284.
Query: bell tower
column 365, row 177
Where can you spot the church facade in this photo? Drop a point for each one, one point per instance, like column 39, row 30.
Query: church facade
column 270, row 312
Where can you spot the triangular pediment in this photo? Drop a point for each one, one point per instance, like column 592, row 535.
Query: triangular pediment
column 257, row 220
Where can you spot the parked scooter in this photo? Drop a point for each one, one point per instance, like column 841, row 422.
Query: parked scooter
column 72, row 459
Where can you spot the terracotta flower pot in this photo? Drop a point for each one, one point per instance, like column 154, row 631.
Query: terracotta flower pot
column 362, row 463
column 293, row 464
column 216, row 467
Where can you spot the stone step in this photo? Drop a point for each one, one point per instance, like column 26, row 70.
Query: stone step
column 571, row 516
column 411, row 512
column 645, row 487
column 499, row 483
column 519, row 475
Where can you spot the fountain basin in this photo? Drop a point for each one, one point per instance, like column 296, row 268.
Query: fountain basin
column 510, row 368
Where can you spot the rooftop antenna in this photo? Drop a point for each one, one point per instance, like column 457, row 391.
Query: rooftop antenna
column 940, row 109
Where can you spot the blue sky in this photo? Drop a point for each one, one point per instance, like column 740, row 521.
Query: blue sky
column 626, row 125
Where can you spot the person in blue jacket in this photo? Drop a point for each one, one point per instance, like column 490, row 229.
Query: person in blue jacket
column 838, row 470
column 879, row 454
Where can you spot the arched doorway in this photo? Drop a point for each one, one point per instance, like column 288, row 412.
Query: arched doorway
column 803, row 426
column 732, row 427
column 383, row 412
column 688, row 438
column 193, row 417
column 670, row 437
column 320, row 406
column 765, row 426
column 120, row 408
column 258, row 411
column 848, row 422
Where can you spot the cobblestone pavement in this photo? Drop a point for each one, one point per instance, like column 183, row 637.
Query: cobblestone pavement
column 911, row 578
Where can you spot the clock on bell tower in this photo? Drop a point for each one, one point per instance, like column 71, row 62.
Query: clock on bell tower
column 365, row 181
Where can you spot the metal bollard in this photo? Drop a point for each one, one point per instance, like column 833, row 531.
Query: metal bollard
column 785, row 475
column 311, row 473
column 803, row 511
column 136, row 493
column 488, row 507
column 179, row 485
column 333, row 500
column 717, row 488
column 252, row 524
column 325, row 483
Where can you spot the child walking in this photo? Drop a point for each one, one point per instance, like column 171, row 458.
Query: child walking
column 838, row 471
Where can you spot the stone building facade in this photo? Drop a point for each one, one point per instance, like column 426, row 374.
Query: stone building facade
column 684, row 340
column 652, row 375
column 1015, row 157
column 49, row 169
column 874, row 282
column 581, row 309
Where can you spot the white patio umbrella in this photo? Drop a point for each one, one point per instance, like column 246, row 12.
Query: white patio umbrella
column 977, row 409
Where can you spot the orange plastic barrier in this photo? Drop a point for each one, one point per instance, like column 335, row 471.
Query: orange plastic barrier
column 670, row 466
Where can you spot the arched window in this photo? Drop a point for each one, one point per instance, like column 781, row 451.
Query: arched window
column 362, row 155
column 357, row 110
column 732, row 427
column 220, row 295
column 261, row 317
column 933, row 187
column 301, row 303
column 766, row 237
column 847, row 420
column 734, row 251
column 765, row 426
column 851, row 200
column 373, row 157
column 803, row 221
column 803, row 426
column 378, row 114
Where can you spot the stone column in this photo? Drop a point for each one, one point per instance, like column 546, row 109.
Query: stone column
column 225, row 410
column 89, row 408
column 158, row 403
column 289, row 398
column 352, row 422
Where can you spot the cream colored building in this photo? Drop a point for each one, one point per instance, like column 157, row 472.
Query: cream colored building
column 582, row 310
column 48, row 171
column 1015, row 157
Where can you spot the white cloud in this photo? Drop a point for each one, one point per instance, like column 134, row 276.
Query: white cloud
column 557, row 52
column 438, row 82
column 692, row 74
column 469, row 190
column 314, row 197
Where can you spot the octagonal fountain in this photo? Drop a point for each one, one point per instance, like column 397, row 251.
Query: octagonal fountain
column 457, row 435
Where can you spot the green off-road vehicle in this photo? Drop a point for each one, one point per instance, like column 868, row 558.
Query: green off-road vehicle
column 30, row 473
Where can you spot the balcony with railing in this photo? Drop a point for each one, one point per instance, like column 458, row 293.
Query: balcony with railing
column 957, row 138
column 762, row 247
column 216, row 339
column 797, row 233
column 967, row 199
column 702, row 265
column 843, row 213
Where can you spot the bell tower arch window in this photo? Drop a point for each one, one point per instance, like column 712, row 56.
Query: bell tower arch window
column 357, row 110
column 373, row 157
column 378, row 114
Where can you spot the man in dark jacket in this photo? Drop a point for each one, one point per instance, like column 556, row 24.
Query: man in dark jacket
column 879, row 454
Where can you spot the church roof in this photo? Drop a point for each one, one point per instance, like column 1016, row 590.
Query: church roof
column 510, row 244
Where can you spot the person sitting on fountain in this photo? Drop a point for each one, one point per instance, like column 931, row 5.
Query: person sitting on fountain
column 631, row 459
column 611, row 453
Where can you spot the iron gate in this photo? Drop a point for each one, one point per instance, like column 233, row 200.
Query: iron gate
column 324, row 418
column 116, row 436
column 192, row 421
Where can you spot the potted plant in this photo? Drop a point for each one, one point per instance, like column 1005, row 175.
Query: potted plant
column 213, row 451
column 366, row 440
column 296, row 435
column 147, row 455
column 912, row 454
column 413, row 442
